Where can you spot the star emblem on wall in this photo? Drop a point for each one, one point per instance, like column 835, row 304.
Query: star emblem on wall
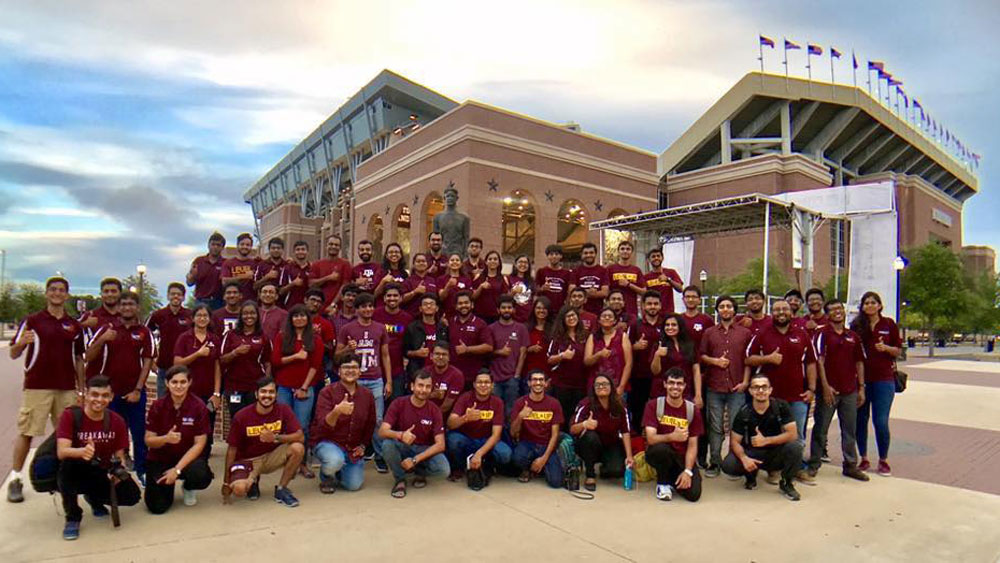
column 598, row 205
column 549, row 195
column 416, row 198
column 493, row 185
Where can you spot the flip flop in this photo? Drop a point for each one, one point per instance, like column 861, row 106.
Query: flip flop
column 419, row 482
column 524, row 477
column 399, row 489
column 590, row 484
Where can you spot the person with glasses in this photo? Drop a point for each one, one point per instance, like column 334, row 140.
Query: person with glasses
column 672, row 426
column 474, row 428
column 602, row 433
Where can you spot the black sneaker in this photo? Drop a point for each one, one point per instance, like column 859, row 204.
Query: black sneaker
column 380, row 465
column 15, row 491
column 282, row 495
column 713, row 471
column 788, row 490
column 751, row 481
column 254, row 492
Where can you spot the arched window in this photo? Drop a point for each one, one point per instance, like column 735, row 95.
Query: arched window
column 402, row 220
column 433, row 204
column 518, row 224
column 612, row 237
column 571, row 230
column 375, row 231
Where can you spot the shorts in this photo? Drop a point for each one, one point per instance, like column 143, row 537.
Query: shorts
column 262, row 465
column 39, row 405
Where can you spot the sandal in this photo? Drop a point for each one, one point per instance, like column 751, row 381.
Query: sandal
column 524, row 477
column 305, row 472
column 419, row 482
column 399, row 489
column 590, row 484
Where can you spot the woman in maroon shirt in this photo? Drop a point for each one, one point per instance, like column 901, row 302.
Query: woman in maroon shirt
column 566, row 348
column 394, row 268
column 489, row 286
column 245, row 358
column 522, row 287
column 882, row 344
column 538, row 334
column 296, row 359
column 676, row 349
column 601, row 433
column 450, row 283
column 418, row 278
column 609, row 351
column 198, row 349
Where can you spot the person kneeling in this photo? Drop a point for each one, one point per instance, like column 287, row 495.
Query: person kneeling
column 602, row 432
column 177, row 430
column 476, row 422
column 535, row 422
column 764, row 436
column 672, row 426
column 263, row 438
column 343, row 425
column 90, row 445
column 412, row 435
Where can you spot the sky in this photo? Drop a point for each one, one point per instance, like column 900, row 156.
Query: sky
column 129, row 131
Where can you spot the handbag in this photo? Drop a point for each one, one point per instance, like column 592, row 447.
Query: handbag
column 900, row 378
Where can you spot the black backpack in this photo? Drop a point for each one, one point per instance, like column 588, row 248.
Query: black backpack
column 44, row 470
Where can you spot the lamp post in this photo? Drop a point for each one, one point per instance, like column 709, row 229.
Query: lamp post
column 898, row 264
column 141, row 270
column 703, row 277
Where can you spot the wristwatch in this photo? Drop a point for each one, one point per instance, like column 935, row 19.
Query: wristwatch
column 216, row 394
column 178, row 471
column 689, row 472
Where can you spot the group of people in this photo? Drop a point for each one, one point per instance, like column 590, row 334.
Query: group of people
column 487, row 372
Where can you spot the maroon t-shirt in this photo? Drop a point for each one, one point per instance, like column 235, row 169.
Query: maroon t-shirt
column 224, row 320
column 487, row 303
column 840, row 354
column 426, row 420
column 642, row 359
column 50, row 361
column 732, row 343
column 673, row 418
column 879, row 365
column 697, row 325
column 437, row 265
column 242, row 373
column 370, row 340
column 296, row 294
column 663, row 287
column 674, row 358
column 246, row 426
column 105, row 443
column 366, row 275
column 121, row 358
column 631, row 274
column 169, row 325
column 588, row 321
column 191, row 420
column 537, row 427
column 272, row 320
column 395, row 325
column 471, row 270
column 788, row 378
column 349, row 431
column 430, row 286
column 498, row 334
column 202, row 370
column 104, row 318
column 591, row 277
column 490, row 414
column 569, row 374
column 472, row 332
column 264, row 267
column 558, row 281
column 325, row 267
column 207, row 278
column 537, row 360
column 451, row 381
column 755, row 324
column 451, row 299
column 610, row 429
column 324, row 329
column 239, row 266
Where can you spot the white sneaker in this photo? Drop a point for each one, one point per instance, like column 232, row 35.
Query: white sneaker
column 664, row 492
column 190, row 498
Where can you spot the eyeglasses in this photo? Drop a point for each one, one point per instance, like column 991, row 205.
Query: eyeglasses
column 602, row 385
column 675, row 384
column 759, row 387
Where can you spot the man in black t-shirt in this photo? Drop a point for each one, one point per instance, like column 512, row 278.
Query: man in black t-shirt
column 764, row 436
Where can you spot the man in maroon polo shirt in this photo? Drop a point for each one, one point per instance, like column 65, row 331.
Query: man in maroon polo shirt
column 206, row 273
column 366, row 273
column 473, row 265
column 342, row 427
column 395, row 320
column 225, row 318
column 270, row 270
column 592, row 278
column 815, row 318
column 107, row 312
column 577, row 300
column 447, row 380
column 241, row 268
column 272, row 317
column 645, row 335
column 330, row 273
column 840, row 359
column 755, row 317
column 628, row 277
column 438, row 260
column 167, row 324
column 535, row 423
column 53, row 373
column 664, row 280
column 467, row 336
column 293, row 283
column 412, row 434
column 553, row 281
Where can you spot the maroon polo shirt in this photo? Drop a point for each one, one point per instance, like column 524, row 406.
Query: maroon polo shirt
column 296, row 294
column 239, row 266
column 880, row 365
column 272, row 320
column 673, row 418
column 499, row 334
column 471, row 332
column 569, row 374
column 437, row 265
column 486, row 305
column 246, row 426
column 121, row 358
column 558, row 281
column 788, row 378
column 264, row 267
column 451, row 381
column 242, row 373
column 490, row 414
column 840, row 354
column 191, row 420
column 369, row 339
column 591, row 277
column 471, row 270
column 654, row 282
column 325, row 267
column 349, row 431
column 426, row 421
column 207, row 277
column 366, row 275
column 169, row 325
column 50, row 361
column 395, row 325
column 610, row 429
column 104, row 318
column 631, row 274
column 536, row 428
column 202, row 370
column 430, row 286
column 224, row 320
column 697, row 325
column 643, row 359
column 105, row 443
column 755, row 324
column 324, row 329
column 718, row 341
column 448, row 303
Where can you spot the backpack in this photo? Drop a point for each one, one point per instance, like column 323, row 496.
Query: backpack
column 44, row 469
column 567, row 453
column 661, row 406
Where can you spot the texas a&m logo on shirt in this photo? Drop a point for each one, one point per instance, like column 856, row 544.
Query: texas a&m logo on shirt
column 69, row 328
column 187, row 421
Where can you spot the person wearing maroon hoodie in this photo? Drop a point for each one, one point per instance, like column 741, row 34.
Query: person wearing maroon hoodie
column 342, row 428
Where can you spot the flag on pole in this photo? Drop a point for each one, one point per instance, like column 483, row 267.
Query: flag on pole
column 814, row 49
column 876, row 65
column 854, row 60
column 791, row 46
column 836, row 54
column 893, row 81
column 916, row 104
column 767, row 42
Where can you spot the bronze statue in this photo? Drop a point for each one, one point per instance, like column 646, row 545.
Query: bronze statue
column 452, row 224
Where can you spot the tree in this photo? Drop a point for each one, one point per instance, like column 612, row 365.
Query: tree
column 828, row 288
column 935, row 289
column 983, row 316
column 751, row 277
column 10, row 306
column 31, row 298
column 149, row 300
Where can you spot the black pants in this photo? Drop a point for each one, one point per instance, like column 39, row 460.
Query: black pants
column 638, row 396
column 668, row 465
column 787, row 458
column 592, row 451
column 246, row 398
column 78, row 477
column 568, row 399
column 159, row 498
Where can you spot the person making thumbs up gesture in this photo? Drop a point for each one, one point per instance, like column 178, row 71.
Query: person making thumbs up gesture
column 412, row 435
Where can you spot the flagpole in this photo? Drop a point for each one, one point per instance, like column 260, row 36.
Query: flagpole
column 854, row 70
column 784, row 44
column 760, row 49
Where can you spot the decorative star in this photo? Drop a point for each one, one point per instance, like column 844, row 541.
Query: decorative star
column 363, row 218
column 549, row 195
column 598, row 205
column 493, row 185
column 416, row 198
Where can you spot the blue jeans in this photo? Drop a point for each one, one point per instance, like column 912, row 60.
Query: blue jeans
column 878, row 402
column 800, row 412
column 717, row 402
column 161, row 383
column 460, row 447
column 525, row 453
column 508, row 392
column 335, row 463
column 301, row 407
column 135, row 417
column 377, row 387
column 394, row 452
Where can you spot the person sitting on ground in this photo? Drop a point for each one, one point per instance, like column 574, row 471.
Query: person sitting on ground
column 176, row 433
column 672, row 426
column 91, row 453
column 263, row 438
column 412, row 435
column 475, row 425
column 342, row 427
column 602, row 432
column 764, row 436
column 535, row 423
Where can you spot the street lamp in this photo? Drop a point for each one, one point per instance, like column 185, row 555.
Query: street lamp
column 141, row 270
column 703, row 277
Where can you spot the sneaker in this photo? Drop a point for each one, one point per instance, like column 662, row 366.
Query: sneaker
column 853, row 472
column 285, row 497
column 71, row 531
column 369, row 453
column 129, row 462
column 99, row 510
column 15, row 491
column 864, row 465
column 712, row 471
column 788, row 490
column 141, row 477
column 664, row 492
column 751, row 481
column 327, row 486
column 380, row 465
column 806, row 477
column 825, row 458
column 884, row 469
column 773, row 477
column 254, row 492
column 190, row 497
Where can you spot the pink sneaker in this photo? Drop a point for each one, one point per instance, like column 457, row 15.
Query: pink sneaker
column 883, row 468
column 864, row 465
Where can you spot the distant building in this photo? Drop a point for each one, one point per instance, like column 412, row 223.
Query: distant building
column 979, row 259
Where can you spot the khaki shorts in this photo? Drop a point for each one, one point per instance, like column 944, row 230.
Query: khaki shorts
column 40, row 405
column 271, row 462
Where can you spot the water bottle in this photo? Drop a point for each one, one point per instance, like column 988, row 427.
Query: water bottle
column 628, row 479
